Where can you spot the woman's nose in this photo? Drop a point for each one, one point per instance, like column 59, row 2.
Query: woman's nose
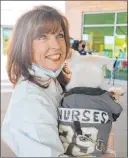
column 54, row 43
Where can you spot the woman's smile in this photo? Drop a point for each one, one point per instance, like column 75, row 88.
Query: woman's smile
column 55, row 57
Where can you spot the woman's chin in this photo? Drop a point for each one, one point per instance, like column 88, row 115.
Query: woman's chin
column 54, row 68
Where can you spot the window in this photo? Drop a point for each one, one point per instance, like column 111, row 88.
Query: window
column 105, row 18
column 106, row 34
column 6, row 32
column 122, row 18
column 100, row 40
column 121, row 42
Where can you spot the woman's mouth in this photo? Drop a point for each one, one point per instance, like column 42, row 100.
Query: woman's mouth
column 54, row 58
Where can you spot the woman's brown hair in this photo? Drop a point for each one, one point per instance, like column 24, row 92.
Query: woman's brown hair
column 30, row 26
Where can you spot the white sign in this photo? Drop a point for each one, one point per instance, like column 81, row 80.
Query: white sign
column 85, row 37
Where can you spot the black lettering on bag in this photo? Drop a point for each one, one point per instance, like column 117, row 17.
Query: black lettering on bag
column 96, row 116
column 60, row 114
column 75, row 115
column 103, row 114
column 66, row 114
column 84, row 114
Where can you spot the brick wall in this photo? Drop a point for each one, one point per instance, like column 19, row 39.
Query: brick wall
column 75, row 9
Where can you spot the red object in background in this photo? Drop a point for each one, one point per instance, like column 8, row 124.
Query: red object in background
column 124, row 64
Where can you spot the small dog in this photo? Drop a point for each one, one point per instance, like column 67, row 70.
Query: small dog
column 116, row 92
column 87, row 111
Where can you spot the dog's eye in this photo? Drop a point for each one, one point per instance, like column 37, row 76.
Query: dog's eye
column 113, row 98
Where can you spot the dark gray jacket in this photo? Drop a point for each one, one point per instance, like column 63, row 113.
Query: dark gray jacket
column 85, row 120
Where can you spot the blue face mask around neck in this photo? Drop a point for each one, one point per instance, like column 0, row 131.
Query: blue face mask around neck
column 50, row 73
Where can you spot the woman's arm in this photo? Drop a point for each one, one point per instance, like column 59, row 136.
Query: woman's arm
column 111, row 140
column 110, row 146
column 32, row 129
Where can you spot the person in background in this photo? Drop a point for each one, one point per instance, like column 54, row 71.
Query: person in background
column 116, row 66
column 75, row 45
column 37, row 52
column 121, row 54
column 71, row 42
column 81, row 47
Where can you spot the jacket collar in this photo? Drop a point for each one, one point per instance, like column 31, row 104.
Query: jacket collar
column 86, row 91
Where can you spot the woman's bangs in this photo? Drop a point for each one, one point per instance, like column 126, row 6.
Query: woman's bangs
column 48, row 26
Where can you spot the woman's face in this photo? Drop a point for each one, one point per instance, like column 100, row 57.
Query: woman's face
column 49, row 51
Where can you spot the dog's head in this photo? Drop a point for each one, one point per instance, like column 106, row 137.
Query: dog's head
column 88, row 71
column 116, row 92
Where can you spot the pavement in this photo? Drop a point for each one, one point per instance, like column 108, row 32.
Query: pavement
column 120, row 126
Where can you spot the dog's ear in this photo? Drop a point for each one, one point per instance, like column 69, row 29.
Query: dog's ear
column 117, row 90
column 111, row 93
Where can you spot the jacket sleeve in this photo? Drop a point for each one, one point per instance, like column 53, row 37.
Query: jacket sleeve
column 114, row 108
column 32, row 130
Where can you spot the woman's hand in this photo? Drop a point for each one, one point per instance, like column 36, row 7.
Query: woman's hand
column 66, row 72
column 110, row 146
column 108, row 155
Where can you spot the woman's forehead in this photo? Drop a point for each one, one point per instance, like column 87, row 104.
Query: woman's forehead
column 54, row 32
column 49, row 27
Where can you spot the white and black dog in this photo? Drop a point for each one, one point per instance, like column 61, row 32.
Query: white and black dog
column 87, row 111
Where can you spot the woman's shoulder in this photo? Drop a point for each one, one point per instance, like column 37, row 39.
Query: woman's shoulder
column 25, row 90
column 29, row 87
column 28, row 101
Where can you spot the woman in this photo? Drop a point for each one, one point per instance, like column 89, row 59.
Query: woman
column 37, row 51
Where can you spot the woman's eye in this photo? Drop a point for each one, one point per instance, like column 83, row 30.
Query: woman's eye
column 61, row 35
column 43, row 37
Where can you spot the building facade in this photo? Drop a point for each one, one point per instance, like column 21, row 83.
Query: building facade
column 103, row 25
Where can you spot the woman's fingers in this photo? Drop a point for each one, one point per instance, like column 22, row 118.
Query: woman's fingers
column 108, row 155
column 66, row 69
column 66, row 75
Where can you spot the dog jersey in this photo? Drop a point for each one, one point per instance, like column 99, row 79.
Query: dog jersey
column 85, row 120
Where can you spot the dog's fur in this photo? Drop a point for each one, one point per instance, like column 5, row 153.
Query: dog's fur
column 88, row 71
